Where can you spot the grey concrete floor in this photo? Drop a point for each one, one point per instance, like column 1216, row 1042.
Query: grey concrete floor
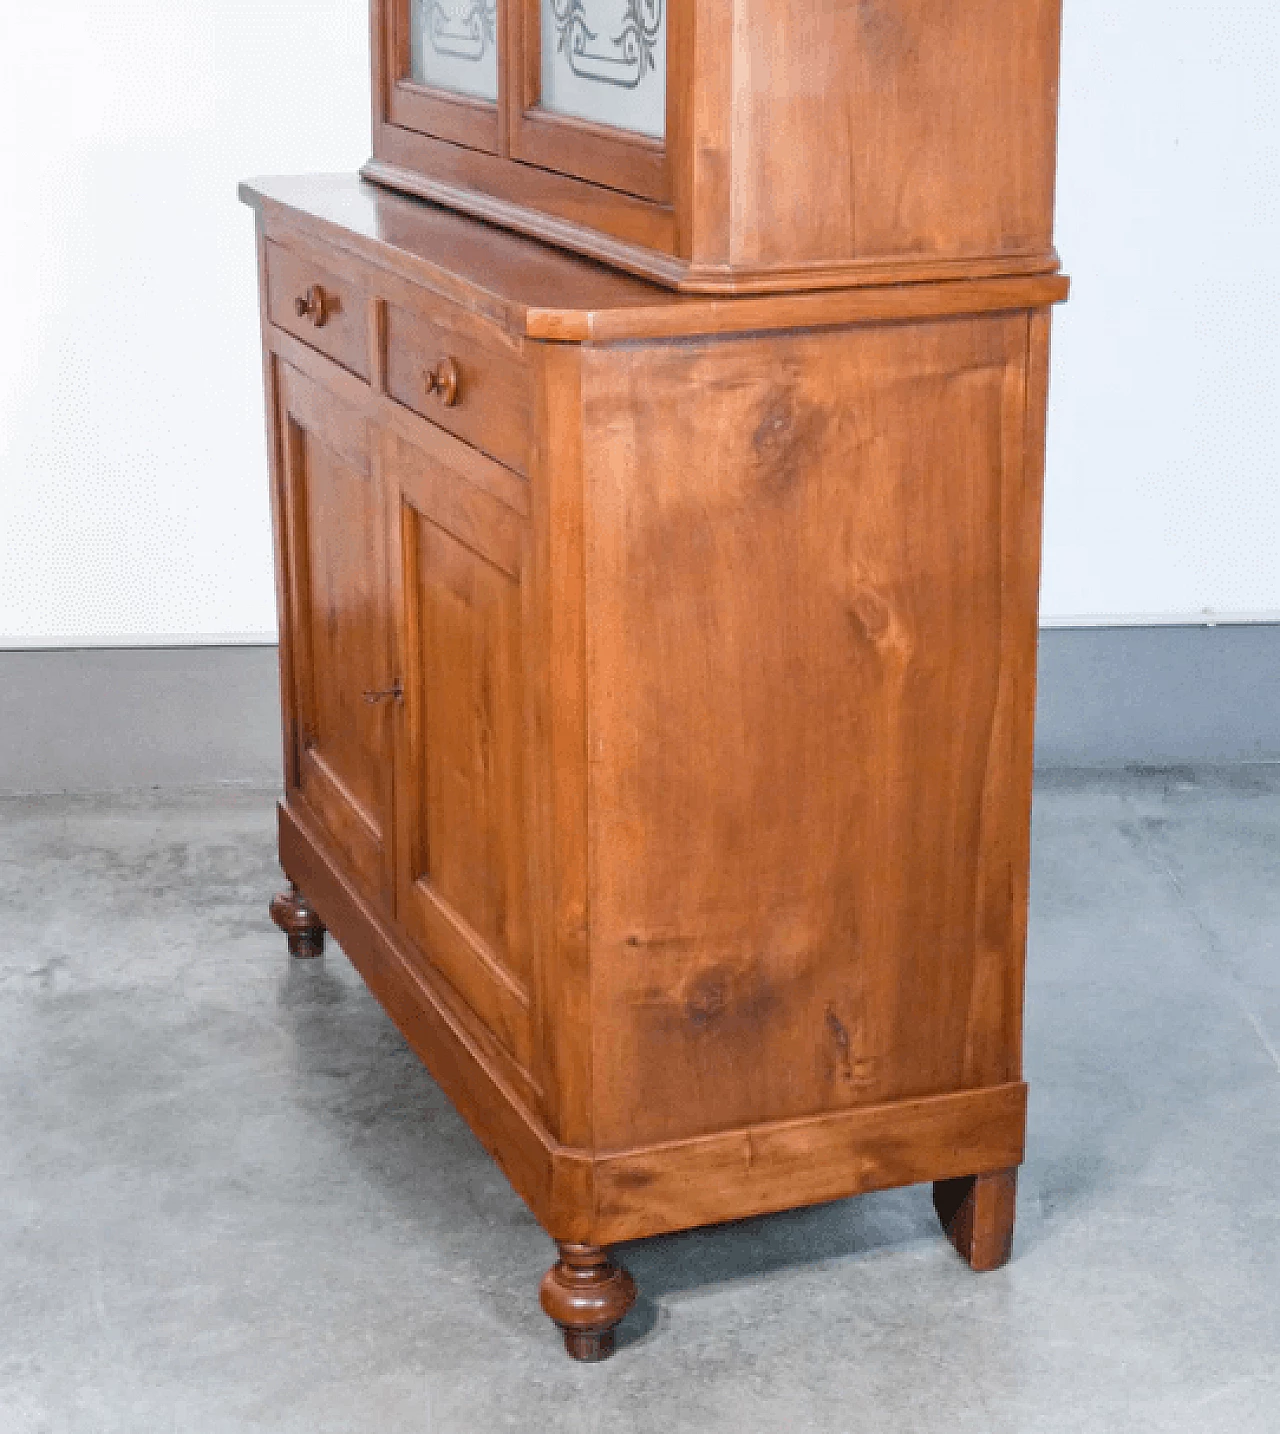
column 232, row 1200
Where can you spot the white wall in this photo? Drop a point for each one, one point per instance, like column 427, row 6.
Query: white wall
column 133, row 497
column 1164, row 457
column 132, row 470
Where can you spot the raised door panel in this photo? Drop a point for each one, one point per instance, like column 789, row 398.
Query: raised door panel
column 462, row 785
column 339, row 628
column 810, row 652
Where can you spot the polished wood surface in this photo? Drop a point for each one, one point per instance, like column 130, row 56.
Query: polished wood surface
column 659, row 748
column 415, row 251
column 806, row 147
column 311, row 302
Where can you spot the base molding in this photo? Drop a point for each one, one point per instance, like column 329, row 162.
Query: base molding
column 685, row 275
column 763, row 1168
column 602, row 1198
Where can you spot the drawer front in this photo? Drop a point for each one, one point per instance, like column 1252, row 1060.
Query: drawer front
column 324, row 309
column 448, row 370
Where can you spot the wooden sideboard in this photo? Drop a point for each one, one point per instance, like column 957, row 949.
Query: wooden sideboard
column 658, row 679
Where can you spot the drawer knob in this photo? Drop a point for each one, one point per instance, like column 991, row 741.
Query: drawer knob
column 443, row 381
column 315, row 305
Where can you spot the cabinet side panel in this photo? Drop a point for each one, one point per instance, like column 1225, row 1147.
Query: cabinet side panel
column 803, row 615
column 873, row 129
column 993, row 1045
column 557, row 655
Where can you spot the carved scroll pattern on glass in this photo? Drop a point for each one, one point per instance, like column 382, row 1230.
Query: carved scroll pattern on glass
column 453, row 45
column 606, row 61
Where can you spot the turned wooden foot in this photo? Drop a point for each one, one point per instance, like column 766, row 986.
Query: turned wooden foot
column 587, row 1295
column 977, row 1213
column 299, row 923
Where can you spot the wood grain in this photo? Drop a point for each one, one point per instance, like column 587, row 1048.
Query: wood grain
column 937, row 125
column 425, row 1010
column 300, row 924
column 403, row 102
column 740, row 1173
column 802, row 619
column 605, row 1198
column 558, row 710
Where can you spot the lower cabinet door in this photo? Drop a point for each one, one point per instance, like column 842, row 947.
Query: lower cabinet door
column 338, row 626
column 460, row 559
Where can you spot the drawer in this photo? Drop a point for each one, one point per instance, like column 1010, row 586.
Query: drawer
column 450, row 369
column 319, row 306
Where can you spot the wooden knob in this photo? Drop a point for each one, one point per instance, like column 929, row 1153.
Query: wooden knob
column 314, row 305
column 443, row 381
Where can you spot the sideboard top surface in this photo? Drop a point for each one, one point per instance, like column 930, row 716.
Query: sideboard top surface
column 536, row 291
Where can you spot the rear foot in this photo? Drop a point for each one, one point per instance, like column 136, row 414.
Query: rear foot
column 299, row 923
column 977, row 1213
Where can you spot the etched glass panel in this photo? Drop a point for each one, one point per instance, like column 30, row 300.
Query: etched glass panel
column 453, row 45
column 606, row 60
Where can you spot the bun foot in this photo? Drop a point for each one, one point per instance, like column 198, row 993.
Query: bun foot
column 587, row 1295
column 977, row 1212
column 299, row 923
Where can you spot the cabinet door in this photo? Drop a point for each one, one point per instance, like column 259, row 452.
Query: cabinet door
column 460, row 558
column 441, row 64
column 339, row 639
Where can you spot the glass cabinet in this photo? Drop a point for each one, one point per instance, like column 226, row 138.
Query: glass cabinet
column 733, row 146
column 576, row 87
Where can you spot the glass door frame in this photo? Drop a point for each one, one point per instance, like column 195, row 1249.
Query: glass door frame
column 445, row 114
column 619, row 159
